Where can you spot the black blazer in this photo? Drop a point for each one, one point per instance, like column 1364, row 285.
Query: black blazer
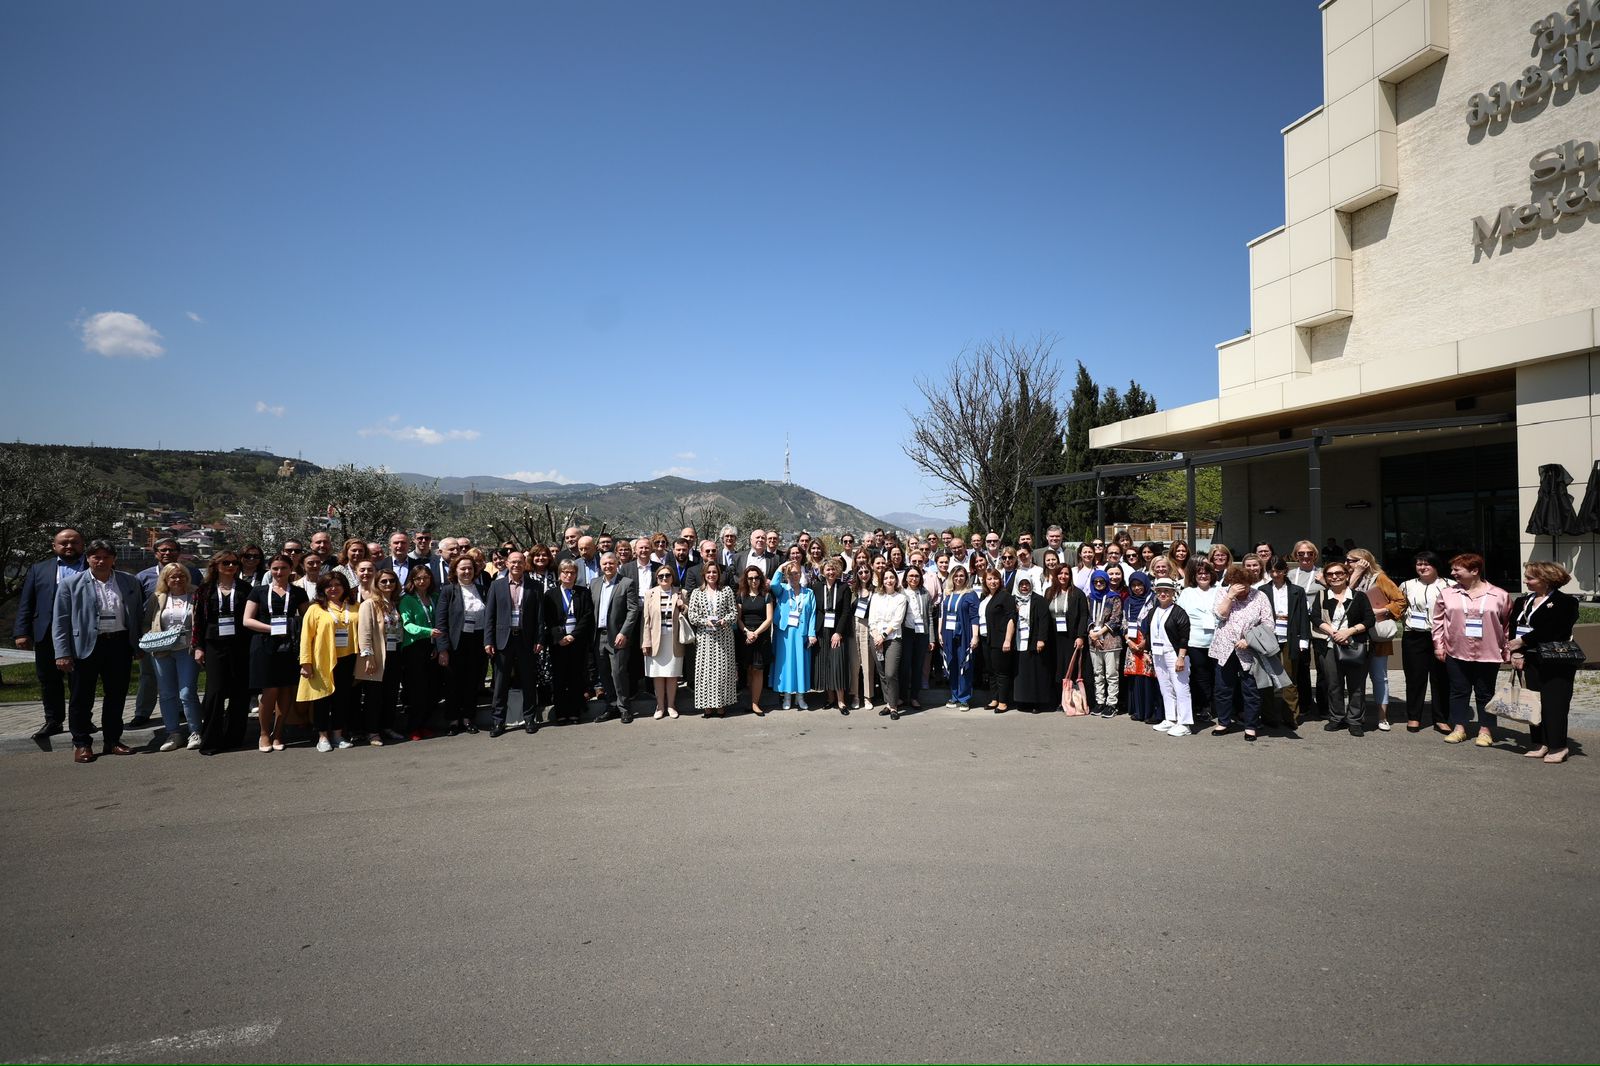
column 1077, row 615
column 205, row 613
column 844, row 611
column 36, row 610
column 450, row 619
column 1359, row 613
column 1552, row 620
column 690, row 580
column 1177, row 626
column 555, row 618
column 1300, row 613
column 1002, row 609
column 497, row 626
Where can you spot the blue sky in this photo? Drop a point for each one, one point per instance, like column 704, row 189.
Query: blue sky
column 352, row 230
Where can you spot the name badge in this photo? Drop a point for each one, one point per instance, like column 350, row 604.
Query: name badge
column 950, row 624
column 391, row 641
column 1523, row 631
column 1024, row 629
column 225, row 627
column 828, row 619
column 341, row 637
column 279, row 625
column 1416, row 620
column 572, row 625
column 108, row 619
column 469, row 625
column 1474, row 628
column 918, row 626
column 794, row 617
column 861, row 608
column 1208, row 629
column 666, row 619
column 516, row 618
column 1061, row 623
column 1281, row 628
column 983, row 628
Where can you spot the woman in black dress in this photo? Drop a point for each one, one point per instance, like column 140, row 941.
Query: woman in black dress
column 835, row 613
column 754, row 639
column 272, row 615
column 997, row 630
column 1035, row 645
column 1545, row 615
column 1069, row 626
column 569, row 634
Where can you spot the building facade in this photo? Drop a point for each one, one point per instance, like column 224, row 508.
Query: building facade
column 1437, row 279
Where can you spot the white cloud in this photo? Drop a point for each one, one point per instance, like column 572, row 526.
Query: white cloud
column 273, row 409
column 687, row 457
column 676, row 471
column 116, row 334
column 420, row 434
column 541, row 475
column 194, row 316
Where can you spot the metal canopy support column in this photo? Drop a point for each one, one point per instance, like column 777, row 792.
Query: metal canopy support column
column 1099, row 507
column 1188, row 532
column 1314, row 487
column 1038, row 527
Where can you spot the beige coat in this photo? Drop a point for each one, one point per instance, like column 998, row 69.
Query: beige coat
column 652, row 621
column 372, row 632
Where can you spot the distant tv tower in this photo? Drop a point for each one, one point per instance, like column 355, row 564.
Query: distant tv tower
column 786, row 480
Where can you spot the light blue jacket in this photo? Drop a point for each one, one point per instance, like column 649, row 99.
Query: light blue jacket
column 77, row 613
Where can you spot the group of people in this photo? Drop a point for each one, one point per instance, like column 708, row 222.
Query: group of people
column 378, row 642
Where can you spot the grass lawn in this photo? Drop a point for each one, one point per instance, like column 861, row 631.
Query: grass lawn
column 22, row 684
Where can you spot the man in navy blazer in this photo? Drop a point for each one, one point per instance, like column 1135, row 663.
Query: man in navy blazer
column 99, row 615
column 616, row 616
column 35, row 615
column 513, row 633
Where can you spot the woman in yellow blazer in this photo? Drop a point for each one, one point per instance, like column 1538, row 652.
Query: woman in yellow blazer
column 376, row 706
column 327, row 659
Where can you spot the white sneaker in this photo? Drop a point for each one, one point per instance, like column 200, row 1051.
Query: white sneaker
column 323, row 745
column 344, row 742
column 194, row 741
column 1180, row 731
column 172, row 743
column 1162, row 727
column 800, row 701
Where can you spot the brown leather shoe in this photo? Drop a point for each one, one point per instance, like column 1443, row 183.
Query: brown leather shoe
column 83, row 755
column 117, row 749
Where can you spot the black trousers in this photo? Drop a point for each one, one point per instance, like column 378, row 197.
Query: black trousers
column 226, row 710
column 379, row 700
column 1423, row 671
column 1554, row 686
column 516, row 658
column 569, row 668
column 421, row 674
column 52, row 682
column 467, row 663
column 1346, row 685
column 1202, row 683
column 332, row 713
column 111, row 662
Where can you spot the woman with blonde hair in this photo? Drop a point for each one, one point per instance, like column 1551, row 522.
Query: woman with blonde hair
column 350, row 555
column 170, row 610
column 1388, row 611
column 1542, row 622
column 379, row 632
column 666, row 612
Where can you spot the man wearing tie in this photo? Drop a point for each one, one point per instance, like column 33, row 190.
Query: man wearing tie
column 511, row 638
column 35, row 619
column 99, row 614
column 616, row 613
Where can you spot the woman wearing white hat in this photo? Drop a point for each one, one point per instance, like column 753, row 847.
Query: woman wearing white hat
column 1166, row 631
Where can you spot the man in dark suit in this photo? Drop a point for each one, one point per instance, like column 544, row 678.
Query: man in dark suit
column 569, row 548
column 684, row 568
column 757, row 556
column 728, row 552
column 616, row 612
column 35, row 615
column 512, row 637
column 99, row 615
column 398, row 559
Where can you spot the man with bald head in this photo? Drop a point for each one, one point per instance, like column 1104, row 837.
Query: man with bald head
column 588, row 559
column 569, row 545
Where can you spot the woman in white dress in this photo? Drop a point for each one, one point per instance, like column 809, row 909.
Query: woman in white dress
column 666, row 612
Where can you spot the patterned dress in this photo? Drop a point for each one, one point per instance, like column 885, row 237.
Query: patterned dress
column 715, row 681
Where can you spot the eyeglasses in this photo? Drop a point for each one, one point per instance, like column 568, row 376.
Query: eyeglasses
column 254, row 556
column 294, row 551
column 228, row 562
column 1303, row 554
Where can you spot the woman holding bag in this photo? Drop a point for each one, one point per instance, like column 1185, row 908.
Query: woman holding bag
column 378, row 663
column 1343, row 618
column 273, row 617
column 666, row 612
column 1388, row 610
column 171, row 611
column 1069, row 618
column 1543, row 617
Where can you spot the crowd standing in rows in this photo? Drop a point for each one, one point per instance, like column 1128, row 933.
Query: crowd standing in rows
column 382, row 642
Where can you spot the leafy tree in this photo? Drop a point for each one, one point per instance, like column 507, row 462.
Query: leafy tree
column 1164, row 497
column 360, row 502
column 39, row 493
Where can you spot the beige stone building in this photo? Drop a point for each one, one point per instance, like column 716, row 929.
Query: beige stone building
column 1438, row 266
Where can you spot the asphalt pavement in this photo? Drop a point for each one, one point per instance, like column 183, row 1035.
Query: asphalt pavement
column 805, row 887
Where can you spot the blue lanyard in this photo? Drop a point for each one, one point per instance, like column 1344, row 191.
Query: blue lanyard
column 566, row 598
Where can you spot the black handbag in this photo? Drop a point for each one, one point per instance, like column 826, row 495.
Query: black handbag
column 1558, row 651
column 1352, row 653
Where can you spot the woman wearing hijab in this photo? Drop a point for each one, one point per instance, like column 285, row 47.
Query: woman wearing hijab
column 1105, row 642
column 1139, row 675
column 1035, row 649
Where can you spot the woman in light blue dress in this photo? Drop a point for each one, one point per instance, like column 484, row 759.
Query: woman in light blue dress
column 793, row 621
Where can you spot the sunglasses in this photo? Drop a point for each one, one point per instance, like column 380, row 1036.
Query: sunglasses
column 252, row 556
column 229, row 562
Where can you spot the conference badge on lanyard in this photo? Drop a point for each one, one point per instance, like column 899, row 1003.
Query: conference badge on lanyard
column 1474, row 627
column 279, row 625
column 1061, row 623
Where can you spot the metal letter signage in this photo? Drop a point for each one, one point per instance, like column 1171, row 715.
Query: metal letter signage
column 1574, row 60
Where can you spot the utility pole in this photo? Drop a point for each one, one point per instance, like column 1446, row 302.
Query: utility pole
column 786, row 459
